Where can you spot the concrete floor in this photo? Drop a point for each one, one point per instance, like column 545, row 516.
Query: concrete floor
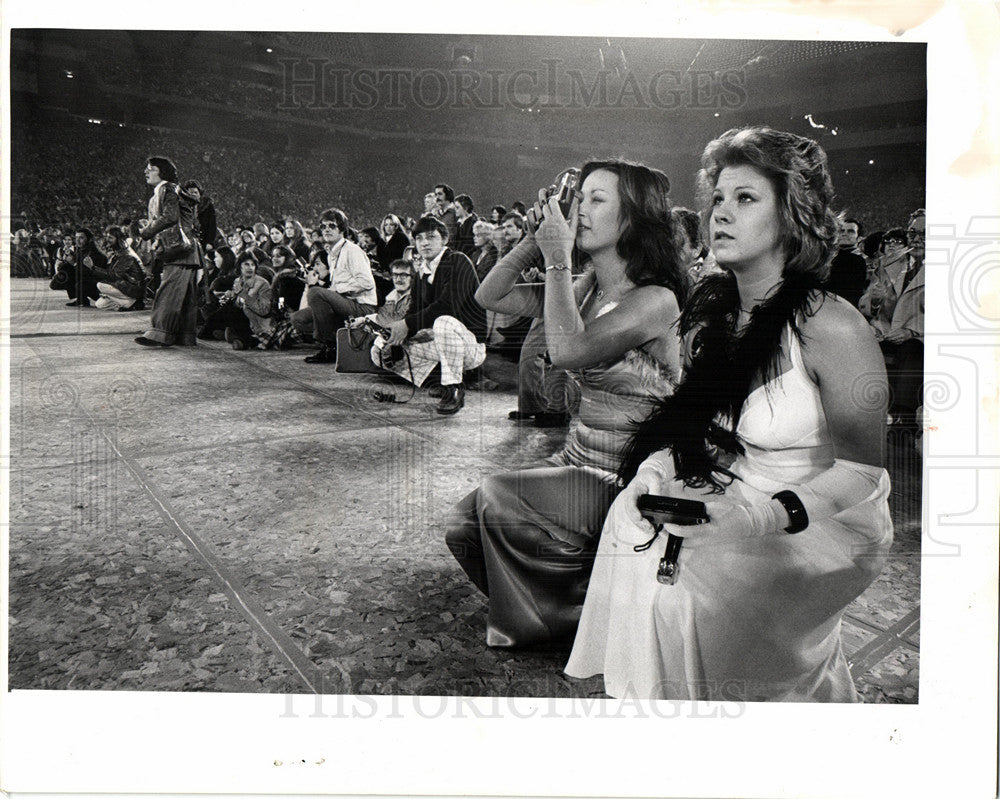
column 202, row 519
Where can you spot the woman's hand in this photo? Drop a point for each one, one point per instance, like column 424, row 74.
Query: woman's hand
column 555, row 235
column 730, row 520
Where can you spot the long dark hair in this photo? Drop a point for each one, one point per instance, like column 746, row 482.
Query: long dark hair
column 647, row 240
column 704, row 411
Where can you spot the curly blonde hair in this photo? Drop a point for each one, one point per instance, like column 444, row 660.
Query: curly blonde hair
column 798, row 171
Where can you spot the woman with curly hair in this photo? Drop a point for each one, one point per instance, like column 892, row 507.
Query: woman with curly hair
column 778, row 427
column 527, row 538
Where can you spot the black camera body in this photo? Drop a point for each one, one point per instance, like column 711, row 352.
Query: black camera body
column 658, row 510
column 565, row 189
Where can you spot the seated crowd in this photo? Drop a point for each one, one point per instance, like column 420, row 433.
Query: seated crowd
column 669, row 347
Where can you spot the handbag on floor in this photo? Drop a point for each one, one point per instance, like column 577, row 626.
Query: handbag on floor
column 354, row 347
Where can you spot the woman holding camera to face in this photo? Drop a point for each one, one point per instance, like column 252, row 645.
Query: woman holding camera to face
column 527, row 539
column 778, row 427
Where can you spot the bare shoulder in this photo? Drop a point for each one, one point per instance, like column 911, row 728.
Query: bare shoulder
column 832, row 320
column 654, row 299
column 837, row 338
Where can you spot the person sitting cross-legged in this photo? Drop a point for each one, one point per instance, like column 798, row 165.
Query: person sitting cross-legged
column 444, row 325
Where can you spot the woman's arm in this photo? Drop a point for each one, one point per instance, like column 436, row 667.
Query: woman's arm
column 170, row 212
column 844, row 360
column 645, row 314
column 499, row 290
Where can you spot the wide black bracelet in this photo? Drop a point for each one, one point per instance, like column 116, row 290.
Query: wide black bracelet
column 797, row 516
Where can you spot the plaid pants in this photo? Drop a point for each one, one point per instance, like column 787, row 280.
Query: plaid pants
column 453, row 346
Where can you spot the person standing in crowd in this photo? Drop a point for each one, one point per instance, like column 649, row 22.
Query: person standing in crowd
column 171, row 224
column 464, row 240
column 352, row 287
column 899, row 327
column 849, row 270
column 444, row 324
column 123, row 285
column 769, row 430
column 444, row 199
column 207, row 229
column 888, row 270
column 527, row 538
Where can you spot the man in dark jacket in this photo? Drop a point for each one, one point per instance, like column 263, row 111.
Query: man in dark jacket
column 124, row 282
column 76, row 275
column 445, row 324
column 464, row 239
column 206, row 229
column 848, row 270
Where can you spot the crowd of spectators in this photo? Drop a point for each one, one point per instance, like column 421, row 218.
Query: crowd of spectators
column 251, row 190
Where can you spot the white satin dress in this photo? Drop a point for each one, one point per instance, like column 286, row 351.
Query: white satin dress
column 749, row 618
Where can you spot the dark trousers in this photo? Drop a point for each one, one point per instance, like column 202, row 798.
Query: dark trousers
column 904, row 366
column 76, row 281
column 174, row 318
column 290, row 288
column 541, row 387
column 330, row 310
column 228, row 315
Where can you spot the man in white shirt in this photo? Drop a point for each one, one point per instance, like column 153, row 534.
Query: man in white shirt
column 352, row 286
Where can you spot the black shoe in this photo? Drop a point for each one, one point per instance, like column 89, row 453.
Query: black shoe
column 84, row 303
column 325, row 355
column 519, row 416
column 551, row 419
column 452, row 399
column 137, row 306
column 148, row 342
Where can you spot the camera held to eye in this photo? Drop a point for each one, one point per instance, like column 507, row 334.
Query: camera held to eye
column 565, row 189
